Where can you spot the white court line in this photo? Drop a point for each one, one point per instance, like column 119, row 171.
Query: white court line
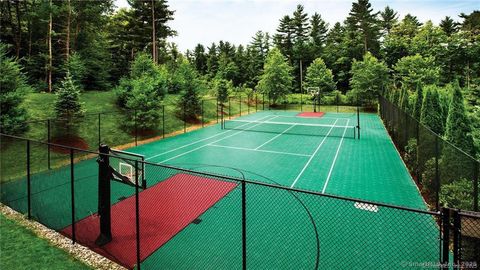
column 200, row 147
column 255, row 150
column 335, row 159
column 314, row 153
column 195, row 142
column 263, row 144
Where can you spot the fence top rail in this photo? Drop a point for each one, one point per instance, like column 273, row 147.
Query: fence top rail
column 431, row 131
column 232, row 178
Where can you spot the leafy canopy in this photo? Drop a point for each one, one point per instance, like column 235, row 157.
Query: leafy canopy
column 276, row 80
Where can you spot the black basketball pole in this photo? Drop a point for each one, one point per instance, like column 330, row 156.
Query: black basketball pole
column 104, row 208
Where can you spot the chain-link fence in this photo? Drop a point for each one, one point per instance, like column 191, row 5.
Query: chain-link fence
column 445, row 175
column 187, row 219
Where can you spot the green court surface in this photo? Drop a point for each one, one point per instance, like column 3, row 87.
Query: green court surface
column 285, row 229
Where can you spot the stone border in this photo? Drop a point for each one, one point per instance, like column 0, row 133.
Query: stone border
column 77, row 251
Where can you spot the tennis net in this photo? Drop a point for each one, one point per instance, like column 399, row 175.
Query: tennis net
column 304, row 129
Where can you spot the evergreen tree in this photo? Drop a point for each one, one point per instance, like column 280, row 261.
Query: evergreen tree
column 389, row 18
column 212, row 60
column 449, row 26
column 68, row 107
column 318, row 75
column 200, row 59
column 363, row 21
column 318, row 34
column 369, row 77
column 13, row 89
column 455, row 165
column 471, row 22
column 149, row 24
column 222, row 90
column 276, row 80
column 458, row 127
column 431, row 111
column 300, row 25
column 76, row 67
column 257, row 52
column 284, row 37
column 403, row 104
column 417, row 109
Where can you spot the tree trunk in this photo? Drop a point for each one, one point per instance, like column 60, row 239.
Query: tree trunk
column 365, row 43
column 67, row 42
column 49, row 69
column 29, row 27
column 18, row 38
column 154, row 39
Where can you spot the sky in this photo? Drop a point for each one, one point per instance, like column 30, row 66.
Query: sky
column 236, row 21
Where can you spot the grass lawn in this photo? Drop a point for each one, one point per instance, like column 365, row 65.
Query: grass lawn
column 22, row 249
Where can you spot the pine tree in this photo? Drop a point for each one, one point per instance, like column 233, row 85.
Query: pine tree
column 300, row 26
column 449, row 26
column 200, row 59
column 431, row 111
column 284, row 37
column 455, row 165
column 276, row 80
column 458, row 128
column 363, row 20
column 318, row 35
column 13, row 89
column 389, row 18
column 68, row 108
column 212, row 60
column 417, row 109
column 403, row 104
column 222, row 90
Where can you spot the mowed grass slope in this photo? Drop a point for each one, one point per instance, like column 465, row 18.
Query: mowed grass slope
column 20, row 248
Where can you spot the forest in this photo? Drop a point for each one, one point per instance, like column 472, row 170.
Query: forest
column 67, row 48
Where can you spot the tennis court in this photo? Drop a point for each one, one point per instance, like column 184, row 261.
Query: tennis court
column 285, row 229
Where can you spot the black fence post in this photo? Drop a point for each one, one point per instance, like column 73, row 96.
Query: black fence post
column 476, row 168
column 263, row 101
column 244, row 227
column 163, row 121
column 137, row 214
column 240, row 101
column 358, row 121
column 29, row 188
column 203, row 117
column 99, row 129
column 49, row 141
column 256, row 102
column 184, row 117
column 437, row 175
column 456, row 238
column 337, row 101
column 222, row 121
column 136, row 129
column 248, row 103
column 446, row 235
column 229, row 109
column 301, row 99
column 72, row 189
column 217, row 109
